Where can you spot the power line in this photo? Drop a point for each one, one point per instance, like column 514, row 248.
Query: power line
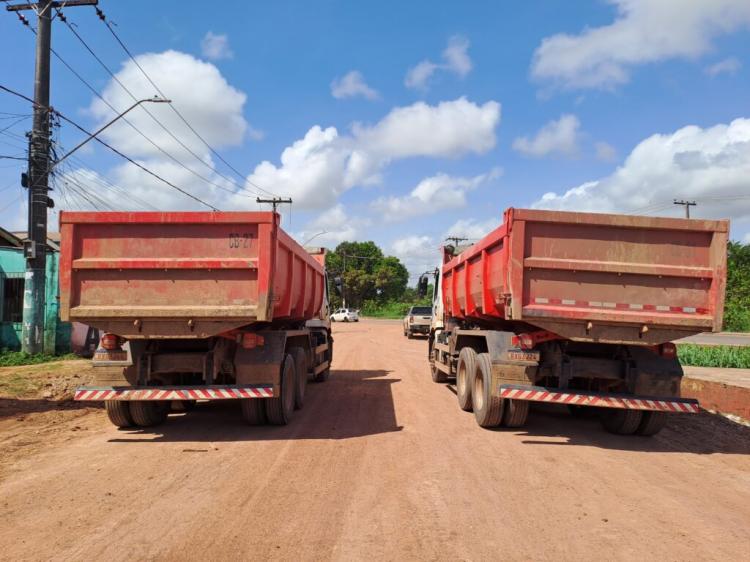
column 103, row 18
column 113, row 149
column 156, row 120
column 136, row 129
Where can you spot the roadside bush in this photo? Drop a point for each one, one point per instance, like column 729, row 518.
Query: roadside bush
column 10, row 358
column 722, row 356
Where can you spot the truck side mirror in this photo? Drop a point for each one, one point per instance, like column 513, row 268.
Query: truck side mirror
column 338, row 285
column 422, row 286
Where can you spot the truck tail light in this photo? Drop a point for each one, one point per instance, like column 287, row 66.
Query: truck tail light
column 668, row 350
column 524, row 341
column 252, row 340
column 111, row 342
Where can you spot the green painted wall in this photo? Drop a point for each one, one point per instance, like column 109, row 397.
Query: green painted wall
column 56, row 333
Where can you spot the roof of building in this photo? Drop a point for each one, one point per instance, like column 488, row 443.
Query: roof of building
column 53, row 239
column 8, row 239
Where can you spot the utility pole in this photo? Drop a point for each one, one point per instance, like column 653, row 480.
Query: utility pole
column 35, row 250
column 275, row 201
column 456, row 239
column 687, row 205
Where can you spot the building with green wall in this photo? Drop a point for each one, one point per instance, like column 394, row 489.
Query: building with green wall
column 12, row 273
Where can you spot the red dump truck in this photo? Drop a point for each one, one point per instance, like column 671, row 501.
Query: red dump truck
column 577, row 309
column 195, row 306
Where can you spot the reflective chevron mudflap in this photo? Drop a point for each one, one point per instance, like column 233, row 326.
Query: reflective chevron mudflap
column 214, row 392
column 599, row 400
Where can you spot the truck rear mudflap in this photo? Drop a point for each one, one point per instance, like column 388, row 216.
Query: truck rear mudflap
column 599, row 400
column 213, row 392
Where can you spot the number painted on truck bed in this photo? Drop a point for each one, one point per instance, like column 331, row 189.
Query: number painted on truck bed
column 237, row 240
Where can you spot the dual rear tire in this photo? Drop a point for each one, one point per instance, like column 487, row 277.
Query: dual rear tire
column 124, row 414
column 475, row 393
column 633, row 422
column 278, row 410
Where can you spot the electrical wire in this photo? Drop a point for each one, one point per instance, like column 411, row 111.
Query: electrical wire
column 110, row 147
column 156, row 120
column 126, row 120
column 106, row 22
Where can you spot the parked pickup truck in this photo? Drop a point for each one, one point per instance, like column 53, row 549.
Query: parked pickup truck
column 195, row 306
column 417, row 321
column 577, row 309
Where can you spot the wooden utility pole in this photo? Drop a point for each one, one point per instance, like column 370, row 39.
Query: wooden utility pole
column 687, row 205
column 35, row 249
column 275, row 201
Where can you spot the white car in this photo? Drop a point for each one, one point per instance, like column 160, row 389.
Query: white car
column 345, row 315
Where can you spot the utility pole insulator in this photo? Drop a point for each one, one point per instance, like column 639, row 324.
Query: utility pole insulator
column 275, row 201
column 687, row 205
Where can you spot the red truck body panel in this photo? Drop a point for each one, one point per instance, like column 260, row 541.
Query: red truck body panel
column 146, row 272
column 593, row 277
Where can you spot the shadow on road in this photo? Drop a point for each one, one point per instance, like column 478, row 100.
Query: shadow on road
column 350, row 404
column 703, row 434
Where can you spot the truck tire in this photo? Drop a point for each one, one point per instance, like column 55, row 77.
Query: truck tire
column 488, row 409
column 253, row 411
column 148, row 413
column 279, row 410
column 516, row 413
column 409, row 335
column 652, row 423
column 620, row 421
column 300, row 368
column 467, row 360
column 118, row 412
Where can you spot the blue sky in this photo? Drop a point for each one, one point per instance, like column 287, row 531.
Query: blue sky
column 444, row 114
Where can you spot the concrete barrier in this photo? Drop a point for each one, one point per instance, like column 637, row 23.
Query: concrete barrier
column 721, row 390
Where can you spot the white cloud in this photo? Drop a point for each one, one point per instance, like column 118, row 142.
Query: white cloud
column 193, row 86
column 559, row 136
column 417, row 77
column 431, row 195
column 352, row 85
column 455, row 59
column 710, row 165
column 730, row 66
column 746, row 239
column 456, row 56
column 644, row 31
column 417, row 253
column 216, row 46
column 331, row 227
column 605, row 152
column 473, row 229
column 316, row 169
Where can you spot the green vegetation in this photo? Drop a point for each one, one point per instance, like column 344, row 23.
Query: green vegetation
column 16, row 358
column 18, row 384
column 722, row 356
column 737, row 304
column 368, row 275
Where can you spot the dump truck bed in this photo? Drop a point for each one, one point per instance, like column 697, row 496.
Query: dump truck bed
column 183, row 274
column 593, row 277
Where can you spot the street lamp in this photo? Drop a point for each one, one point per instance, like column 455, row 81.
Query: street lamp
column 314, row 236
column 93, row 135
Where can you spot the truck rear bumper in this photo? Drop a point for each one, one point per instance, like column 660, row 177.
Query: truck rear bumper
column 214, row 392
column 599, row 400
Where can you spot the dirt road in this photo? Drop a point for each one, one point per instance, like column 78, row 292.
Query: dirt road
column 380, row 464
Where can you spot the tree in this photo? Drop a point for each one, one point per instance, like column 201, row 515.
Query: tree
column 737, row 303
column 368, row 275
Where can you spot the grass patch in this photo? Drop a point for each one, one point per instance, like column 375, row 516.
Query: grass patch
column 18, row 384
column 17, row 358
column 722, row 356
